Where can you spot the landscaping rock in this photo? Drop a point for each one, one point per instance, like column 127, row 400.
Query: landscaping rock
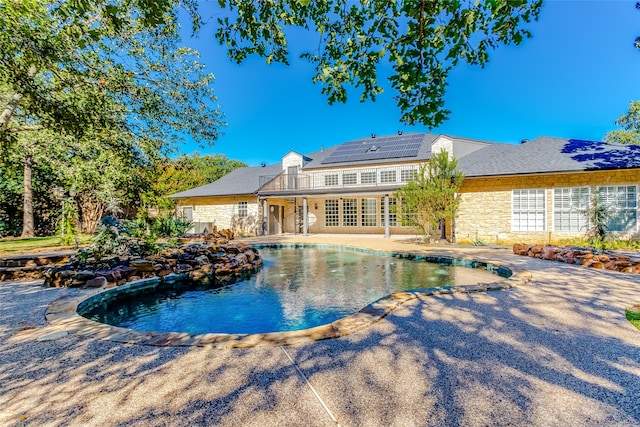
column 583, row 257
column 217, row 259
column 141, row 265
column 84, row 275
column 96, row 282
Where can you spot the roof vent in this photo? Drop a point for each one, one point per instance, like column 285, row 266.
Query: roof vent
column 400, row 132
column 524, row 141
column 263, row 164
column 373, row 135
column 372, row 148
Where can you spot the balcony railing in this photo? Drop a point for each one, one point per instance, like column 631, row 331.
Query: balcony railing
column 336, row 179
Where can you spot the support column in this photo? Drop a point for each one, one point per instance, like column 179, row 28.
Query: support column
column 265, row 217
column 386, row 216
column 305, row 217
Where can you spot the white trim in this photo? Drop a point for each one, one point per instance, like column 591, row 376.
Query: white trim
column 634, row 229
column 545, row 210
column 553, row 208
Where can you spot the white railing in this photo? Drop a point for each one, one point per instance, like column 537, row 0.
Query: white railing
column 342, row 178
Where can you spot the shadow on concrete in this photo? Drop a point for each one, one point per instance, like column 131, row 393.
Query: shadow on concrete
column 556, row 352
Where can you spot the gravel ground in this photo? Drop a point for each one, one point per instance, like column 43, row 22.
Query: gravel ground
column 557, row 351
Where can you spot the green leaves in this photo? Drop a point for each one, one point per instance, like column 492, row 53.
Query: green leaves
column 421, row 41
column 630, row 122
column 431, row 197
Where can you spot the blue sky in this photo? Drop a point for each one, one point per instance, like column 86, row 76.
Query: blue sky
column 572, row 79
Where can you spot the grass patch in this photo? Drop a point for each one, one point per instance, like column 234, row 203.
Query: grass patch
column 14, row 246
column 633, row 315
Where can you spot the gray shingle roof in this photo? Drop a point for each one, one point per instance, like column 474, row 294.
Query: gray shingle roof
column 242, row 181
column 546, row 154
column 541, row 155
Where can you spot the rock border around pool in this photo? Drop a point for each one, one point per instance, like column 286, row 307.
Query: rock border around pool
column 62, row 313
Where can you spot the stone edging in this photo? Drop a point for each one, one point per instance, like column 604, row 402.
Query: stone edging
column 62, row 312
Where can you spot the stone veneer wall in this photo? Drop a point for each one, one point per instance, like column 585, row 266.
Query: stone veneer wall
column 485, row 206
column 223, row 213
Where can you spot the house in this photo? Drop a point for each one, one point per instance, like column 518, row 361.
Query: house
column 537, row 191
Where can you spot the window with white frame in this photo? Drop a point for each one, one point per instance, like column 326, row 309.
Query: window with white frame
column 622, row 203
column 367, row 177
column 393, row 211
column 331, row 213
column 243, row 209
column 350, row 212
column 570, row 207
column 369, row 213
column 350, row 179
column 187, row 213
column 387, row 176
column 407, row 175
column 528, row 210
column 331, row 180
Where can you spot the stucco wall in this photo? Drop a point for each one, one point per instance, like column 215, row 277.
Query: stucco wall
column 485, row 206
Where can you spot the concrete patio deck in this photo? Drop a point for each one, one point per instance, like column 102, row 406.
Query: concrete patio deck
column 557, row 351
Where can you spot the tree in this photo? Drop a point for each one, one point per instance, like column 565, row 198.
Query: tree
column 429, row 199
column 173, row 176
column 90, row 68
column 630, row 134
column 421, row 40
column 599, row 215
column 44, row 175
column 630, row 122
column 414, row 43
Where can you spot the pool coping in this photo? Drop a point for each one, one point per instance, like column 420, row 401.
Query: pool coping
column 62, row 313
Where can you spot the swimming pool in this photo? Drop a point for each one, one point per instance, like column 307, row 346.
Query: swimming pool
column 297, row 288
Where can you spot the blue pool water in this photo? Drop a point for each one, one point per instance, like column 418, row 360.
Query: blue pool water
column 297, row 288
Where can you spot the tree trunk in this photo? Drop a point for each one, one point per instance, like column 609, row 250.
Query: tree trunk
column 8, row 111
column 27, row 207
column 91, row 210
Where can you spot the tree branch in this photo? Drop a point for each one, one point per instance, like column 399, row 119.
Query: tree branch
column 26, row 128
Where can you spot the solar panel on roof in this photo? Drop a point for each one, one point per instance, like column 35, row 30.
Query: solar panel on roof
column 385, row 147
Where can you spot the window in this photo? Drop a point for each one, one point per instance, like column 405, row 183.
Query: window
column 369, row 212
column 187, row 213
column 242, row 210
column 387, row 176
column 528, row 210
column 622, row 203
column 569, row 209
column 331, row 216
column 349, row 178
column 350, row 212
column 331, row 179
column 367, row 177
column 393, row 211
column 407, row 175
